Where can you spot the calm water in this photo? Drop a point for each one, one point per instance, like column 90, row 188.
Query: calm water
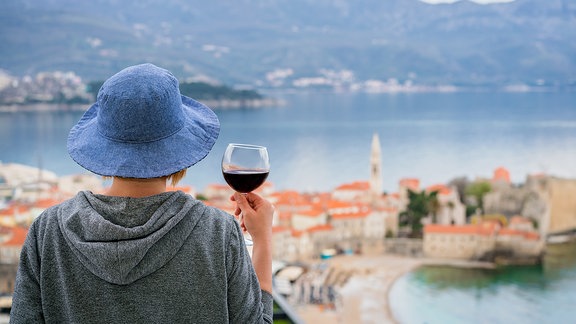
column 543, row 294
column 319, row 141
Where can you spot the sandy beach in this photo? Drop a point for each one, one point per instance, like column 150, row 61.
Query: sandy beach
column 364, row 297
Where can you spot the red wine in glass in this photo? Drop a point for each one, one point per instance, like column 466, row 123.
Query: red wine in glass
column 245, row 167
column 245, row 181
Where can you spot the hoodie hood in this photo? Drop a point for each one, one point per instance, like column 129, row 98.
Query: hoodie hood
column 122, row 239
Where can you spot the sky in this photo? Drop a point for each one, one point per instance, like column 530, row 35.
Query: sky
column 477, row 1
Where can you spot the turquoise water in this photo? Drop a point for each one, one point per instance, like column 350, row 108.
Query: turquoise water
column 319, row 141
column 534, row 294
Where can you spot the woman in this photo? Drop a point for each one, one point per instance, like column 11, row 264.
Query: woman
column 139, row 253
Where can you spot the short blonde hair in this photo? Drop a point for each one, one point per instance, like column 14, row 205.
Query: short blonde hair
column 174, row 177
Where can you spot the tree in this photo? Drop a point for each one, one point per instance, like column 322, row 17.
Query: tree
column 205, row 91
column 433, row 205
column 478, row 190
column 420, row 205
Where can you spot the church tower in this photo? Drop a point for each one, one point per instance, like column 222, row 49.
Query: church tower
column 376, row 167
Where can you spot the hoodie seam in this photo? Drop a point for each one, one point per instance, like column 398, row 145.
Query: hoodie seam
column 234, row 231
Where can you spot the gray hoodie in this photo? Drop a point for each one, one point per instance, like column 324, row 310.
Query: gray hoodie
column 161, row 259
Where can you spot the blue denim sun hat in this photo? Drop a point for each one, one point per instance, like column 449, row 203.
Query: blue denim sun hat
column 142, row 127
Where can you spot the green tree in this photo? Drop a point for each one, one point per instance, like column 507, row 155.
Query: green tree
column 198, row 91
column 478, row 190
column 433, row 205
column 205, row 91
column 420, row 205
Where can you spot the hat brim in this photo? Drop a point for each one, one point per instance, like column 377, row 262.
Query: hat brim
column 106, row 157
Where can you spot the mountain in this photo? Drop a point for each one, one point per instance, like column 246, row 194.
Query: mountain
column 239, row 42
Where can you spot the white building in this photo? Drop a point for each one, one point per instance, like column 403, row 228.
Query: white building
column 452, row 211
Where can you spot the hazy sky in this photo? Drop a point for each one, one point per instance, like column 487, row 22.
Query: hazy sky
column 477, row 1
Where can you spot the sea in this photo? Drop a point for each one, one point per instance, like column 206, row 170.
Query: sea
column 318, row 141
column 539, row 294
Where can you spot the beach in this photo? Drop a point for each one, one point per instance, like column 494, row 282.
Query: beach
column 364, row 296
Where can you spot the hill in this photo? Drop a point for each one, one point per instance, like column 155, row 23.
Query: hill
column 250, row 42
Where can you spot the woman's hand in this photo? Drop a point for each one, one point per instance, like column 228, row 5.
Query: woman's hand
column 256, row 218
column 255, row 214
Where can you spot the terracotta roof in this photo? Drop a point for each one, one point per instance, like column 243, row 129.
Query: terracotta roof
column 332, row 204
column 5, row 230
column 286, row 193
column 524, row 234
column 320, row 197
column 292, row 198
column 320, row 228
column 14, row 209
column 297, row 233
column 410, row 183
column 357, row 185
column 508, row 231
column 442, row 189
column 360, row 214
column 46, row 203
column 18, row 237
column 314, row 212
column 501, row 173
column 482, row 229
column 294, row 203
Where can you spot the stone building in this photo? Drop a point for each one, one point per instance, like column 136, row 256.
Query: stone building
column 452, row 210
column 305, row 219
column 466, row 242
column 282, row 245
column 560, row 215
column 546, row 200
column 528, row 199
column 487, row 240
column 359, row 191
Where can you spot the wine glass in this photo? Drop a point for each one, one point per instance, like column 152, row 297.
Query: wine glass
column 245, row 167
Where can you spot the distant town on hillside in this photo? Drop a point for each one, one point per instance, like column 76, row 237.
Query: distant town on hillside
column 68, row 89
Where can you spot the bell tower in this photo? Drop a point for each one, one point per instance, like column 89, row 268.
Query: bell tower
column 376, row 167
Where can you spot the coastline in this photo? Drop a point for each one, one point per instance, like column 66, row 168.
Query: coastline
column 365, row 296
column 42, row 107
column 216, row 104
